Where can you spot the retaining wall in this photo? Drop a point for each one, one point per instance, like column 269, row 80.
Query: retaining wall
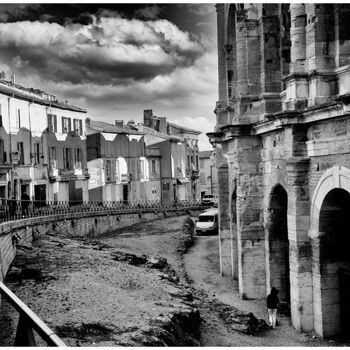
column 22, row 232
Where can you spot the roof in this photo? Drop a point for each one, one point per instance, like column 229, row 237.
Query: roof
column 149, row 131
column 184, row 129
column 205, row 154
column 114, row 129
column 35, row 95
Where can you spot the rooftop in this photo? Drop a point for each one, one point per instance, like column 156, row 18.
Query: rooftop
column 184, row 129
column 205, row 154
column 110, row 128
column 35, row 95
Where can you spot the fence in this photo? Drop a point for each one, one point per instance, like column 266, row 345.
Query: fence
column 28, row 322
column 11, row 209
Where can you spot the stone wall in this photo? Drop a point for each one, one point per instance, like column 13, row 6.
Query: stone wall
column 77, row 224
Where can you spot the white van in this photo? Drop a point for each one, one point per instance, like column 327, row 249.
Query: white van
column 208, row 222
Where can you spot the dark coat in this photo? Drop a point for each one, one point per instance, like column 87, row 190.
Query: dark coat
column 272, row 299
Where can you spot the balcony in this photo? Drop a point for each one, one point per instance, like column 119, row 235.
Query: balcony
column 194, row 174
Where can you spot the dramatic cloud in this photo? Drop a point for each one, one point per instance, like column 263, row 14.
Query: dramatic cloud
column 115, row 65
column 110, row 50
column 149, row 12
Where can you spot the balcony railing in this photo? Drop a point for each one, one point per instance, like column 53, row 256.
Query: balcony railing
column 11, row 209
column 28, row 322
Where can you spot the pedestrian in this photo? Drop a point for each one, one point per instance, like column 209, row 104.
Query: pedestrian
column 272, row 302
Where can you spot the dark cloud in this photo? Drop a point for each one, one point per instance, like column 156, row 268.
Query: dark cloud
column 110, row 50
column 151, row 12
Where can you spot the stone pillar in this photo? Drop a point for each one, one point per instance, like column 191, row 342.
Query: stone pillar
column 299, row 244
column 297, row 89
column 250, row 231
column 320, row 52
column 342, row 34
column 271, row 64
column 224, row 221
column 221, row 34
column 241, row 40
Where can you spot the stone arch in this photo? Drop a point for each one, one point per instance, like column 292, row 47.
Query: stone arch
column 329, row 223
column 233, row 227
column 277, row 242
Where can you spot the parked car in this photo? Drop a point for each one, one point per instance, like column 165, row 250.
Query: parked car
column 210, row 199
column 208, row 222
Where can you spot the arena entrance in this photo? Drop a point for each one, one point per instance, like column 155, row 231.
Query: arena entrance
column 277, row 243
column 334, row 224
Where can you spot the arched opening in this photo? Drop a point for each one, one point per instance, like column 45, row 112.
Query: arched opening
column 233, row 227
column 278, row 243
column 334, row 223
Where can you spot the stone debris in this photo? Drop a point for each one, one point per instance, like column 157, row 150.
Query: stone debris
column 239, row 321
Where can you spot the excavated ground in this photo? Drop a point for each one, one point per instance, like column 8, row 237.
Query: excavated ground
column 135, row 287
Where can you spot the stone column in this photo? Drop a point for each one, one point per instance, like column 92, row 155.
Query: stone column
column 299, row 244
column 221, row 34
column 297, row 88
column 250, row 231
column 342, row 34
column 271, row 64
column 320, row 52
column 224, row 211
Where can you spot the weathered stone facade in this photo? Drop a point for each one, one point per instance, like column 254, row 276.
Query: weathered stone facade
column 283, row 156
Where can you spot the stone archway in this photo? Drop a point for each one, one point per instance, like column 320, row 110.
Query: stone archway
column 233, row 228
column 330, row 222
column 277, row 243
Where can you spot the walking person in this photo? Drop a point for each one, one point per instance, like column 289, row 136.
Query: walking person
column 272, row 302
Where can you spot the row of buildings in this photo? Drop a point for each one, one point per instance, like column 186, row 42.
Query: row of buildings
column 51, row 150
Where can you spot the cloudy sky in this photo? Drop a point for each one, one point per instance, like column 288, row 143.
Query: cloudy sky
column 117, row 59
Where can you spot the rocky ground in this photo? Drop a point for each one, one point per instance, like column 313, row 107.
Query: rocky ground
column 136, row 287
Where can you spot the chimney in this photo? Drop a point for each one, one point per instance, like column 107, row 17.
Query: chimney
column 13, row 78
column 148, row 117
column 119, row 123
column 162, row 125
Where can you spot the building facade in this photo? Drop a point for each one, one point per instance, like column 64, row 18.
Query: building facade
column 42, row 146
column 208, row 179
column 179, row 162
column 282, row 142
column 120, row 166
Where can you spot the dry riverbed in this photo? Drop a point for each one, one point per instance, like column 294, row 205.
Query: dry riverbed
column 136, row 287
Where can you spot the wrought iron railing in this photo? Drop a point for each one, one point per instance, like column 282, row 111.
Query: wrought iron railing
column 29, row 322
column 11, row 209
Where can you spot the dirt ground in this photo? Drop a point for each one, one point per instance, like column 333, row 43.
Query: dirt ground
column 76, row 285
column 202, row 267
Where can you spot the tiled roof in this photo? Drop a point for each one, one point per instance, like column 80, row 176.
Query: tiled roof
column 35, row 95
column 110, row 128
column 184, row 129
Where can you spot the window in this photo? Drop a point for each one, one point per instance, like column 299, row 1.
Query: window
column 66, row 125
column 53, row 153
column 2, row 158
column 52, row 122
column 144, row 170
column 0, row 115
column 78, row 126
column 20, row 150
column 121, row 174
column 77, row 155
column 36, row 152
column 67, row 158
column 18, row 118
column 153, row 167
column 201, row 163
column 108, row 171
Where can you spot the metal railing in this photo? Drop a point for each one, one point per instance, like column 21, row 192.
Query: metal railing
column 29, row 322
column 11, row 209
